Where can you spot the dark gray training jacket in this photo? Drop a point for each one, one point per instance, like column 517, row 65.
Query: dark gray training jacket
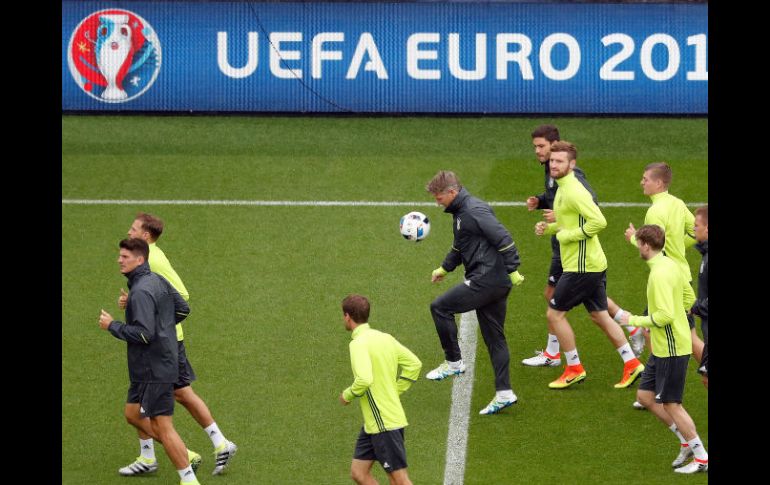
column 481, row 243
column 153, row 309
column 701, row 306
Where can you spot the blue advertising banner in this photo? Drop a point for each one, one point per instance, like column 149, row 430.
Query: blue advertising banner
column 385, row 57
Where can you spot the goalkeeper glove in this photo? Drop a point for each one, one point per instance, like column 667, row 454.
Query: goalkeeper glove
column 516, row 278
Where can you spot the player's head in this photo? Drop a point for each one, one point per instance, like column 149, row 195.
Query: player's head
column 563, row 158
column 444, row 186
column 650, row 239
column 355, row 310
column 542, row 138
column 656, row 178
column 702, row 223
column 147, row 227
column 133, row 252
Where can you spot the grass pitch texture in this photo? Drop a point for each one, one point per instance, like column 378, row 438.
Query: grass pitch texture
column 265, row 335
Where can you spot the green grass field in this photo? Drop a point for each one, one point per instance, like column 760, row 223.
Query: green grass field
column 265, row 335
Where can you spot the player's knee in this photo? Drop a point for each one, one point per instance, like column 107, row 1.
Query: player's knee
column 358, row 475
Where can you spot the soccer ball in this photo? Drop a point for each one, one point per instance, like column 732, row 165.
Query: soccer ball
column 415, row 226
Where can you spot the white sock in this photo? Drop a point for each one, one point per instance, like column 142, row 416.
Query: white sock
column 618, row 315
column 455, row 365
column 698, row 449
column 506, row 395
column 675, row 430
column 216, row 436
column 572, row 357
column 553, row 346
column 187, row 475
column 625, row 352
column 147, row 448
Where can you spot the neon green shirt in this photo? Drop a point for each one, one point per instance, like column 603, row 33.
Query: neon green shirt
column 666, row 303
column 159, row 264
column 671, row 214
column 578, row 222
column 376, row 358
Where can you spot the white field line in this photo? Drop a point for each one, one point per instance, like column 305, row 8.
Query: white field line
column 312, row 203
column 459, row 414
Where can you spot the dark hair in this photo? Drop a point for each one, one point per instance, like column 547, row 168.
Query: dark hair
column 549, row 132
column 651, row 235
column 137, row 246
column 357, row 306
column 565, row 146
column 443, row 181
column 703, row 212
column 660, row 171
column 151, row 224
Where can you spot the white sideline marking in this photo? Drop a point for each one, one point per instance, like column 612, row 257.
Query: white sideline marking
column 313, row 203
column 459, row 415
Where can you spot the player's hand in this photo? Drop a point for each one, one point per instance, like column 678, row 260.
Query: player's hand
column 540, row 228
column 548, row 215
column 438, row 274
column 105, row 319
column 532, row 203
column 630, row 231
column 516, row 278
column 343, row 401
column 122, row 299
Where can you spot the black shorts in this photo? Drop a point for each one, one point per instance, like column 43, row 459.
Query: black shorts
column 154, row 399
column 555, row 271
column 186, row 372
column 665, row 377
column 386, row 447
column 590, row 289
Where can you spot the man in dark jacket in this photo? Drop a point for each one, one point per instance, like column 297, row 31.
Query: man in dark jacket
column 701, row 306
column 153, row 309
column 486, row 249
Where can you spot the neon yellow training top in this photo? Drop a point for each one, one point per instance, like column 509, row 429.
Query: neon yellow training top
column 578, row 222
column 376, row 358
column 159, row 264
column 666, row 301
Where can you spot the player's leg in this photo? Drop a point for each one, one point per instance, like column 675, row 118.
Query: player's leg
column 549, row 356
column 146, row 462
column 458, row 299
column 361, row 472
column 636, row 335
column 492, row 324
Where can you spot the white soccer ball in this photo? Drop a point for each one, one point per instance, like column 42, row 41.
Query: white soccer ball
column 415, row 226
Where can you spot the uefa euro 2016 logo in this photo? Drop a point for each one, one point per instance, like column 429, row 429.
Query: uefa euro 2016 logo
column 114, row 55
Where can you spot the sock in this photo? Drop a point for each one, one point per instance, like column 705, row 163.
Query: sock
column 455, row 365
column 625, row 352
column 147, row 449
column 618, row 315
column 187, row 475
column 506, row 395
column 216, row 436
column 572, row 357
column 553, row 346
column 675, row 430
column 697, row 448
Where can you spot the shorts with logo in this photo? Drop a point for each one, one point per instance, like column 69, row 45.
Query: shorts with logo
column 665, row 377
column 386, row 447
column 556, row 270
column 590, row 289
column 154, row 399
column 186, row 372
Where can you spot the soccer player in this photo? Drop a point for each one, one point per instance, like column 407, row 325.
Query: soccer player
column 671, row 214
column 149, row 228
column 542, row 137
column 382, row 370
column 701, row 306
column 662, row 385
column 578, row 223
column 491, row 260
column 152, row 309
